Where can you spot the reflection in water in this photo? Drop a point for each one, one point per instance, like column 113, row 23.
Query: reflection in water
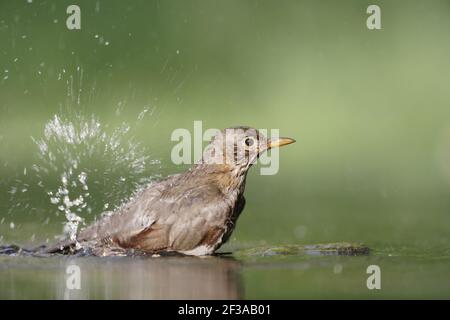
column 120, row 278
column 153, row 278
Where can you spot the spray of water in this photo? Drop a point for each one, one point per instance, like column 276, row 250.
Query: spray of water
column 84, row 167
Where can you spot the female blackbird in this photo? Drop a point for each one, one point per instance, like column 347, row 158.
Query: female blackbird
column 192, row 213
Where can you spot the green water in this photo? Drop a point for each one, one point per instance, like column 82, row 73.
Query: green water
column 405, row 273
column 369, row 110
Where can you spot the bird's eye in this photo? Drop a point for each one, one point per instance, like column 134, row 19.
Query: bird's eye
column 249, row 142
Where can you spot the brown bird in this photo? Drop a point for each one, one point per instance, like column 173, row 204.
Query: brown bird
column 193, row 213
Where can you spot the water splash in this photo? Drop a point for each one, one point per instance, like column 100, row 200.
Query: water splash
column 85, row 167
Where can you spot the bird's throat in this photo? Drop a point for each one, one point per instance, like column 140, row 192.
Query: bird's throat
column 229, row 179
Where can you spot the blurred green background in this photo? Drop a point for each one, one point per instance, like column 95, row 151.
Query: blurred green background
column 370, row 109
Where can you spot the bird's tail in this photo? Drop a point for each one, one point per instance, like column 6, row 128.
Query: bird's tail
column 63, row 247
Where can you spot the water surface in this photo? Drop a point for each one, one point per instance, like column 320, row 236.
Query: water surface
column 405, row 274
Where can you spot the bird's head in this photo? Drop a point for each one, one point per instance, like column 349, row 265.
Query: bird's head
column 239, row 147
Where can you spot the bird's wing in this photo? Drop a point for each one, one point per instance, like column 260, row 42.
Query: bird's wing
column 170, row 215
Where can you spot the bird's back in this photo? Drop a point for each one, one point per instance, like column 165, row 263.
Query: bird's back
column 188, row 213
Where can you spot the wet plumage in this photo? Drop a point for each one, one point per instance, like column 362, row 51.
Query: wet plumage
column 192, row 213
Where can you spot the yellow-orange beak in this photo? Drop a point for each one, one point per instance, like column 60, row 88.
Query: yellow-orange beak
column 279, row 142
